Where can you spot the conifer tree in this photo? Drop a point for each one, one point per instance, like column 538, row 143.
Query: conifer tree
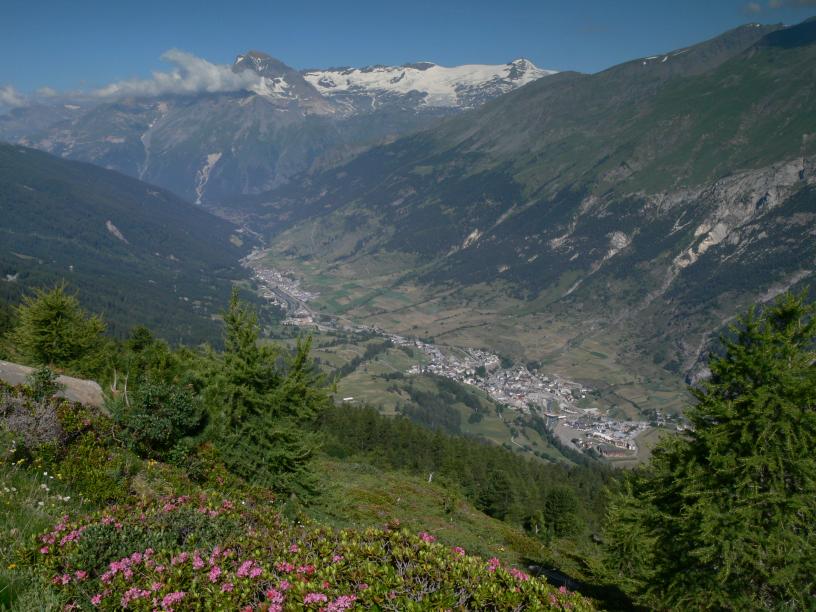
column 52, row 329
column 725, row 517
column 264, row 404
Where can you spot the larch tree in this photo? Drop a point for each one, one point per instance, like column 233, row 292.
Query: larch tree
column 725, row 517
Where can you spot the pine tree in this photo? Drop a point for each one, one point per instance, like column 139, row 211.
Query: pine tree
column 726, row 516
column 264, row 404
column 52, row 329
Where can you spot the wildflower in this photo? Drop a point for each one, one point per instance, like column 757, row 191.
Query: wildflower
column 156, row 586
column 337, row 558
column 284, row 585
column 132, row 594
column 426, row 537
column 275, row 597
column 198, row 562
column 493, row 564
column 344, row 602
column 362, row 586
column 293, row 548
column 518, row 574
column 227, row 587
column 243, row 570
column 44, row 550
column 80, row 575
column 96, row 599
column 215, row 572
column 172, row 598
column 308, row 569
column 458, row 550
column 563, row 589
column 314, row 598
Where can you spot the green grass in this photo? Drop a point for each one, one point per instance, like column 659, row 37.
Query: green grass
column 359, row 495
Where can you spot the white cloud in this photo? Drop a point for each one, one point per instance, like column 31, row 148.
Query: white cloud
column 753, row 7
column 10, row 97
column 190, row 74
column 47, row 92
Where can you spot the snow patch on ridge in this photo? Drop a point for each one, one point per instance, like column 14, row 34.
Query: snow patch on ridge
column 442, row 86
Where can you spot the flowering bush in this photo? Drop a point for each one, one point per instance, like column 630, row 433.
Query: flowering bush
column 204, row 552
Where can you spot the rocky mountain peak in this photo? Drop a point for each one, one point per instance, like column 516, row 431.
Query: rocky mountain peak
column 262, row 64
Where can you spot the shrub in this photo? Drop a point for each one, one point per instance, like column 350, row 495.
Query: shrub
column 205, row 552
column 157, row 417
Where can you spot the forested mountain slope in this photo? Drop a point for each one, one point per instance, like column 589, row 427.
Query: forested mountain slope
column 137, row 253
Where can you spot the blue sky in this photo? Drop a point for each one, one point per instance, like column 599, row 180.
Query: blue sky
column 83, row 44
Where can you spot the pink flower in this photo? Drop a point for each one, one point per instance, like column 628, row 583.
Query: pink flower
column 63, row 580
column 293, row 548
column 362, row 586
column 337, row 558
column 518, row 574
column 314, row 598
column 283, row 566
column 172, row 598
column 198, row 562
column 80, row 575
column 284, row 585
column 274, row 596
column 156, row 586
column 243, row 570
column 426, row 537
column 308, row 569
column 227, row 587
column 344, row 602
column 44, row 550
column 179, row 559
column 563, row 589
column 493, row 564
column 132, row 594
column 458, row 550
column 96, row 599
column 215, row 572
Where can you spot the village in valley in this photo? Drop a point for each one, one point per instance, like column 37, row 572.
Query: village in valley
column 550, row 397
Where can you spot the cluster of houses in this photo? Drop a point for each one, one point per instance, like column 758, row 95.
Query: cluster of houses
column 514, row 387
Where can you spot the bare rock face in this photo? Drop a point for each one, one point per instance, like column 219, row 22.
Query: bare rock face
column 86, row 392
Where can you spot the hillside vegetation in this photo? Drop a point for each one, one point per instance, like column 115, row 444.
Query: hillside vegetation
column 138, row 254
column 635, row 209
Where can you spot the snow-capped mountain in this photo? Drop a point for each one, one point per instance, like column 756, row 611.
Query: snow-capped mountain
column 430, row 85
column 275, row 122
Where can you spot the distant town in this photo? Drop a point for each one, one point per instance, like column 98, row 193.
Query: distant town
column 549, row 396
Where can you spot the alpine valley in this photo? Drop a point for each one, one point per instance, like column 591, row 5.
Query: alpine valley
column 415, row 337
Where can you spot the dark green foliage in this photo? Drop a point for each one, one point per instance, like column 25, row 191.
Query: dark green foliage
column 52, row 329
column 261, row 401
column 157, row 417
column 498, row 481
column 171, row 269
column 724, row 518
